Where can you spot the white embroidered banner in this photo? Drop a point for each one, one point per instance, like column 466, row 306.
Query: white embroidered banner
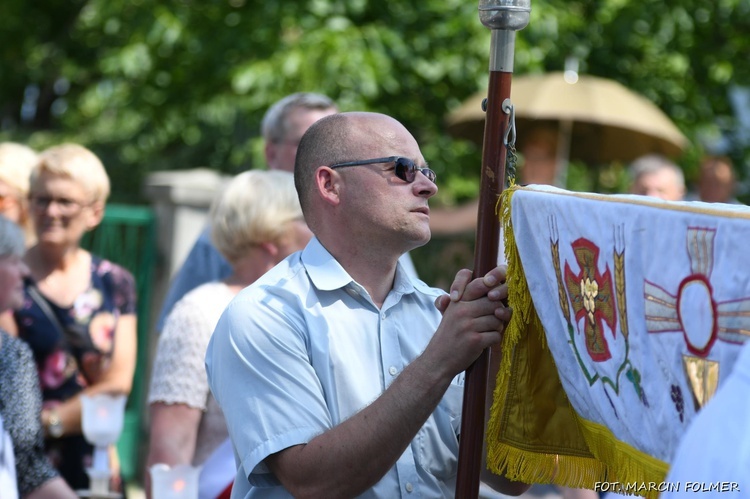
column 645, row 305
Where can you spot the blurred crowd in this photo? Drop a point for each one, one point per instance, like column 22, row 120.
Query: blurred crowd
column 68, row 317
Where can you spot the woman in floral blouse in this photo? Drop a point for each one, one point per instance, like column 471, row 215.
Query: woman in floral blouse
column 78, row 315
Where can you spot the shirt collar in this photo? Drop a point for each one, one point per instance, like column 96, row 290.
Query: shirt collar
column 325, row 271
column 327, row 274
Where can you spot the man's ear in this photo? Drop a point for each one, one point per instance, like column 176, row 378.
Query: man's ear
column 270, row 153
column 328, row 184
column 271, row 248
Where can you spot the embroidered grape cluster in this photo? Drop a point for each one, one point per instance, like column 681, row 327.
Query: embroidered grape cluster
column 679, row 403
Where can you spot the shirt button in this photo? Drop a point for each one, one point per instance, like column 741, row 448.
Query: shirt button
column 393, row 370
column 382, row 316
column 409, row 487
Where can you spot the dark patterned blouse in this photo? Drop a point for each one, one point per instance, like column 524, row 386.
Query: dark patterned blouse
column 20, row 408
column 70, row 360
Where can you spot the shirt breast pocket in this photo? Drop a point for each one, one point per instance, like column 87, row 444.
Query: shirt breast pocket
column 438, row 438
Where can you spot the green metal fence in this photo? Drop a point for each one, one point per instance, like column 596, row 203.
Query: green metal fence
column 127, row 236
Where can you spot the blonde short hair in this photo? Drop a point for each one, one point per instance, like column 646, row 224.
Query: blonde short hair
column 77, row 163
column 16, row 162
column 254, row 208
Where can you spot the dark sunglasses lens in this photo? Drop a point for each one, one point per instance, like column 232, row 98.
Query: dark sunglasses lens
column 406, row 169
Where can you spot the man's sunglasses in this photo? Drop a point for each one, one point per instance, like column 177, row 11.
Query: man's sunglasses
column 405, row 169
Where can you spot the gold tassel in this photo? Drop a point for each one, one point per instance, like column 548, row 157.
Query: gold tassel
column 519, row 297
column 535, row 467
column 500, row 456
column 624, row 463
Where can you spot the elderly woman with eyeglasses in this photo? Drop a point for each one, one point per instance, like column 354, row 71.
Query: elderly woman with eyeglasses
column 79, row 310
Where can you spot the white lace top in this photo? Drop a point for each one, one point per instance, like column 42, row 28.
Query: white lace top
column 179, row 375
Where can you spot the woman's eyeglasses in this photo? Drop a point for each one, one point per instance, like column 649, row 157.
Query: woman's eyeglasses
column 66, row 206
column 405, row 169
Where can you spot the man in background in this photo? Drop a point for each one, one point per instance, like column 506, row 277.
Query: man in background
column 717, row 182
column 656, row 176
column 283, row 126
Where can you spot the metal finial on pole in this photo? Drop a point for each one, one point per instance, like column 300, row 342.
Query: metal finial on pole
column 504, row 18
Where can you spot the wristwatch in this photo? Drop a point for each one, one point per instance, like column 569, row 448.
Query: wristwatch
column 54, row 424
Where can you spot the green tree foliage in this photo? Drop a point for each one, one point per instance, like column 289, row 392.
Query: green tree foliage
column 172, row 84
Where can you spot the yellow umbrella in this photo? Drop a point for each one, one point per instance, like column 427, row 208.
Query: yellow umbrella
column 598, row 120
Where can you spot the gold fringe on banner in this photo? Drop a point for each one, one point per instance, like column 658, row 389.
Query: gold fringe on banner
column 534, row 435
column 625, row 464
column 519, row 298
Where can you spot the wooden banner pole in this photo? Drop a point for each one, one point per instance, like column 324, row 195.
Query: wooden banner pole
column 492, row 182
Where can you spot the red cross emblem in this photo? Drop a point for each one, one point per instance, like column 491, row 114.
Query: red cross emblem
column 591, row 295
